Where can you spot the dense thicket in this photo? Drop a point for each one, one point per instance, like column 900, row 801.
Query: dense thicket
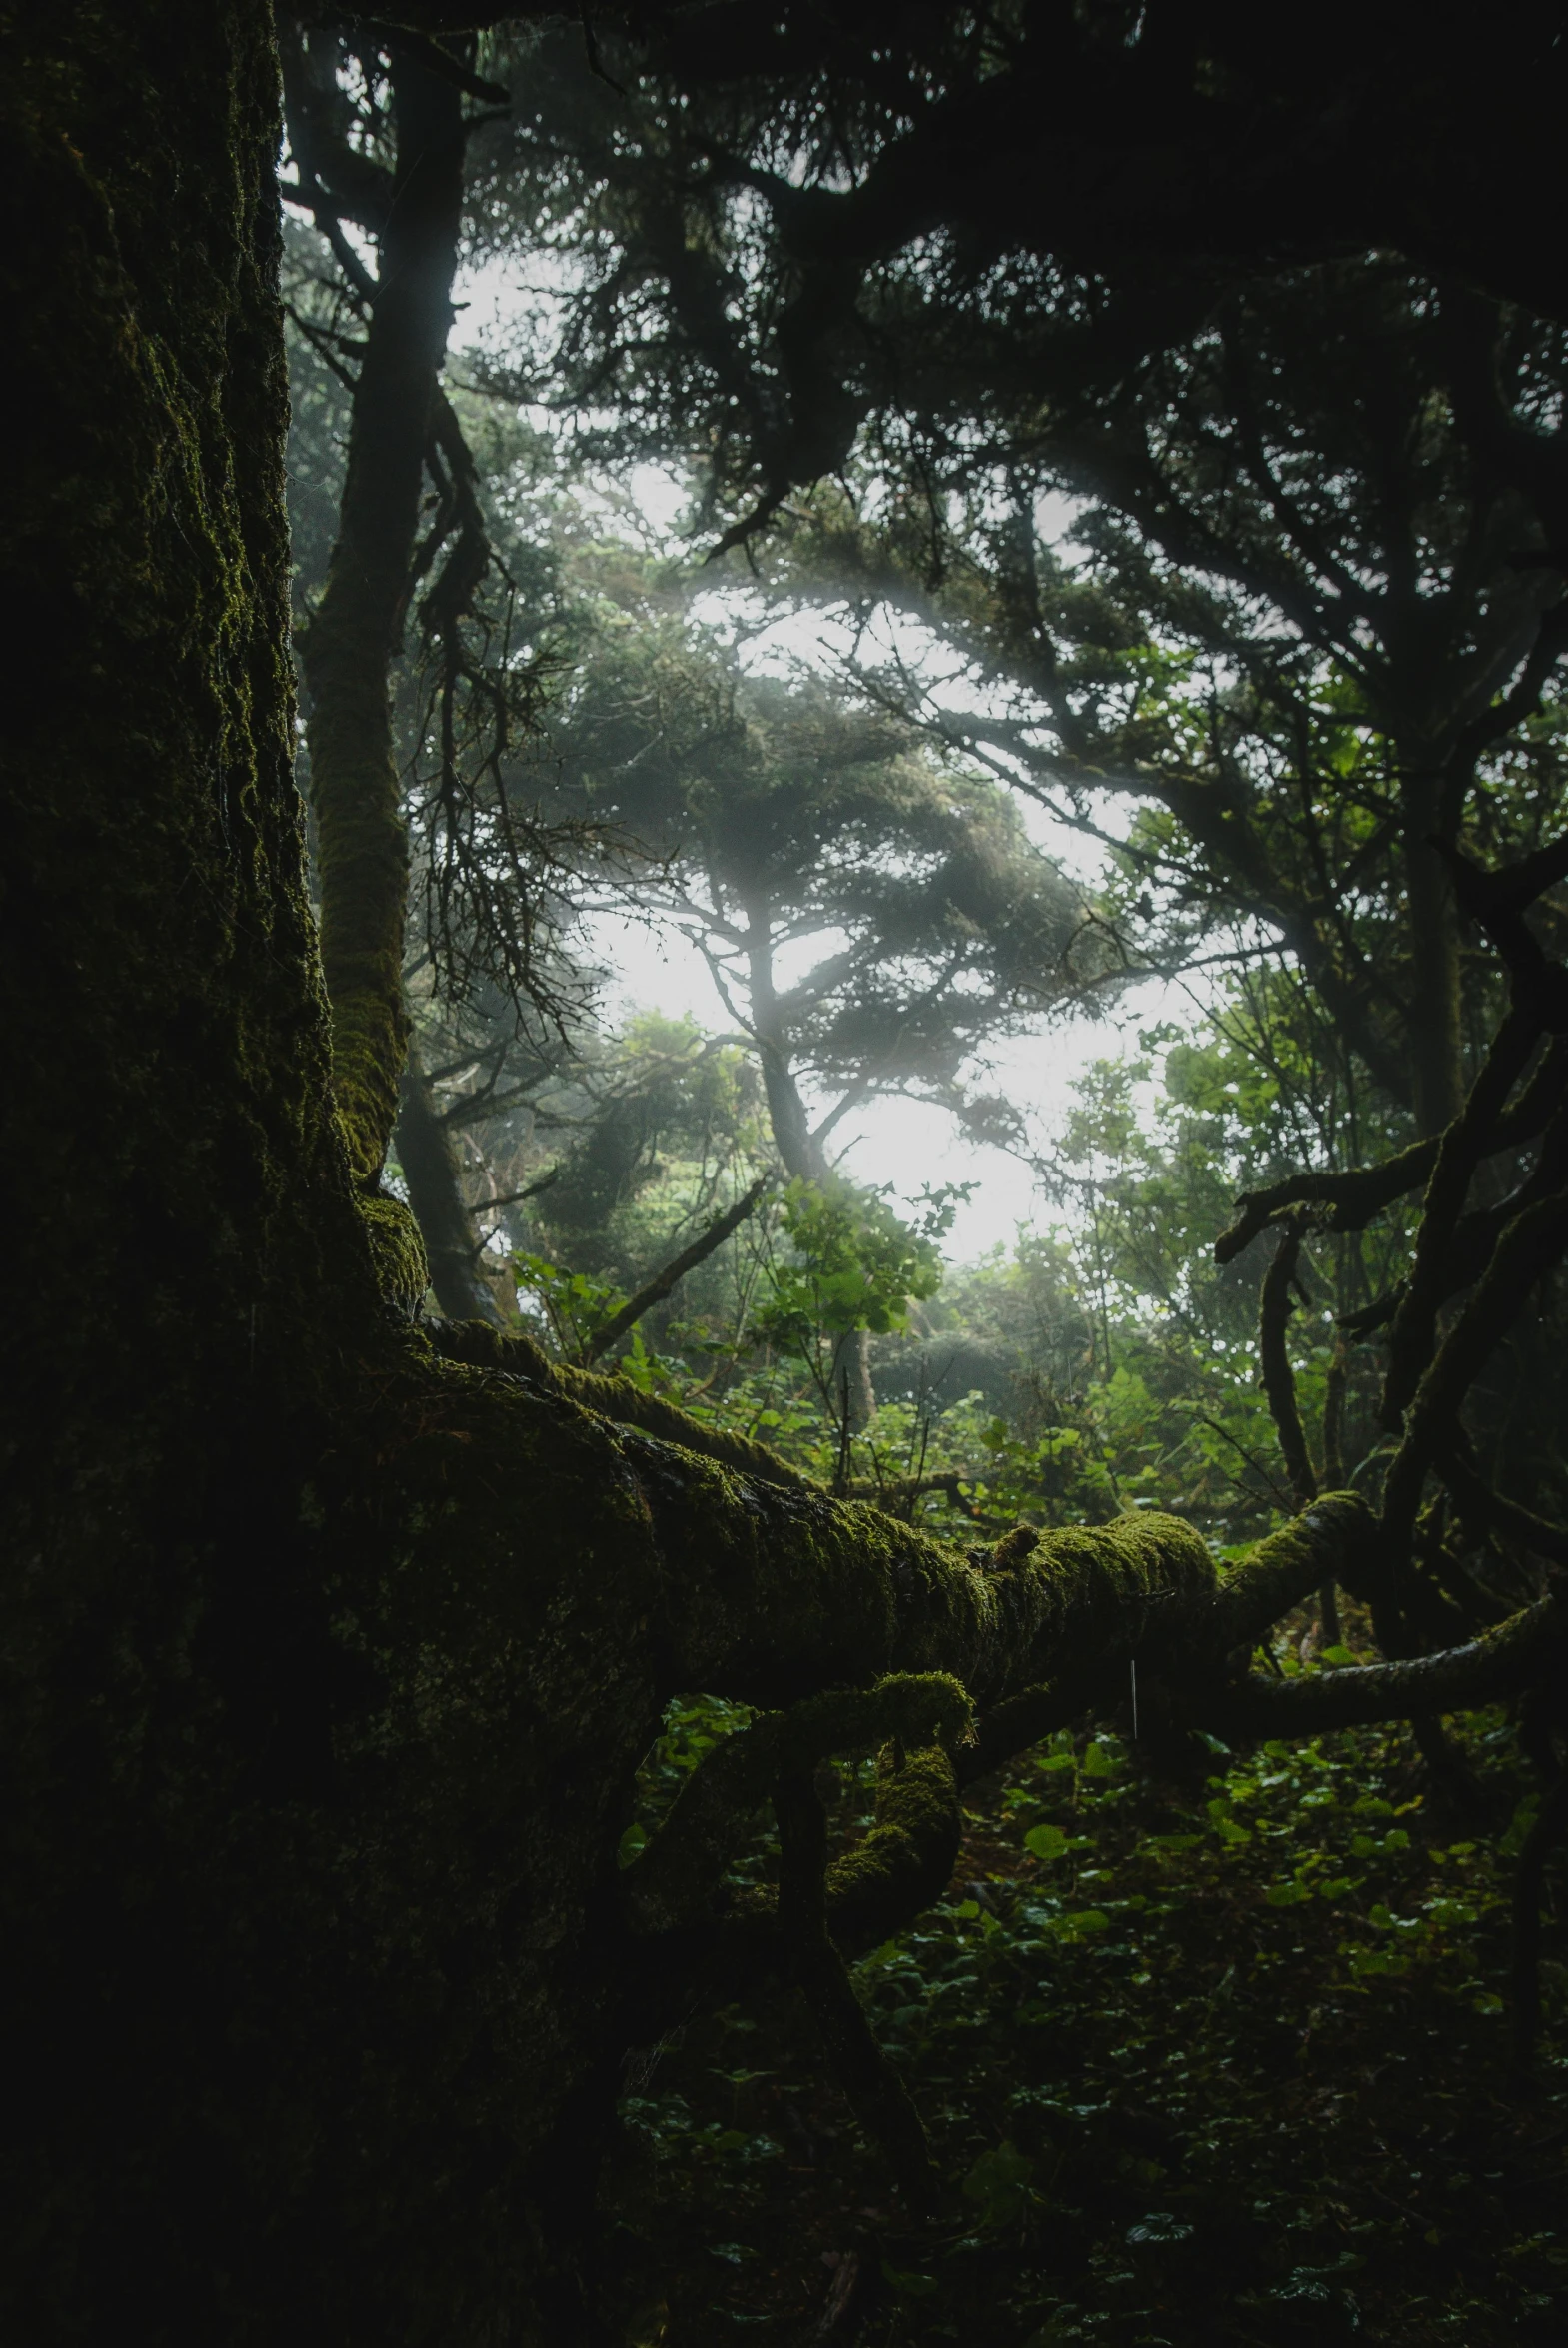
column 337, row 1634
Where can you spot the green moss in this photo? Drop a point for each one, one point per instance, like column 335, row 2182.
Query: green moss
column 402, row 1273
column 906, row 1859
column 617, row 1398
column 1333, row 1540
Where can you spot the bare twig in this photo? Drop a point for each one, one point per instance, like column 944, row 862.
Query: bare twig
column 516, row 1198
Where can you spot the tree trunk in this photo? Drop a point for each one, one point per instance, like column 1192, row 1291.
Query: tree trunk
column 361, row 842
column 804, row 1161
column 429, row 1167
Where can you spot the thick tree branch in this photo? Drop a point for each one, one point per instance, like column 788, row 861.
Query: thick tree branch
column 1530, row 1246
column 516, row 1354
column 1498, row 901
column 434, row 1193
column 362, row 843
column 1460, row 1151
column 674, row 1880
column 876, row 2094
column 1500, row 1662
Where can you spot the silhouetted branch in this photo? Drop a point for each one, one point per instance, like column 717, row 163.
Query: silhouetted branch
column 1354, row 1199
column 1498, row 900
column 661, row 1282
column 1279, row 1383
column 1460, row 1151
column 516, row 1198
column 1498, row 1663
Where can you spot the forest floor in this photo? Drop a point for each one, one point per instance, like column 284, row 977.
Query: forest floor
column 1219, row 2062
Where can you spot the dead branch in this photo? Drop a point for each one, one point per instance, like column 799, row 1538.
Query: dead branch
column 661, row 1282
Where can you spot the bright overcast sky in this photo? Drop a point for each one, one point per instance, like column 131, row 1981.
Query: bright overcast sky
column 901, row 1143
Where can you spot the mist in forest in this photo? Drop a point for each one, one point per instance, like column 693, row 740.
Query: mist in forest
column 784, row 1521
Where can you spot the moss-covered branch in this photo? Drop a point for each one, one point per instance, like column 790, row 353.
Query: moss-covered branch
column 517, row 1355
column 672, row 1882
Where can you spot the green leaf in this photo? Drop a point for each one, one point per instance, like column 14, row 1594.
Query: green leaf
column 1161, row 2225
column 630, row 1845
column 1045, row 1842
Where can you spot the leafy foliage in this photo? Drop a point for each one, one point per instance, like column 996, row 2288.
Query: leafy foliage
column 1178, row 2047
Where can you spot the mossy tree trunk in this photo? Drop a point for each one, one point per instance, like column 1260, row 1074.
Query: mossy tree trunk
column 329, row 1660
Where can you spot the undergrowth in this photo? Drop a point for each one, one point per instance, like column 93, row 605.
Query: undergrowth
column 1224, row 2061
